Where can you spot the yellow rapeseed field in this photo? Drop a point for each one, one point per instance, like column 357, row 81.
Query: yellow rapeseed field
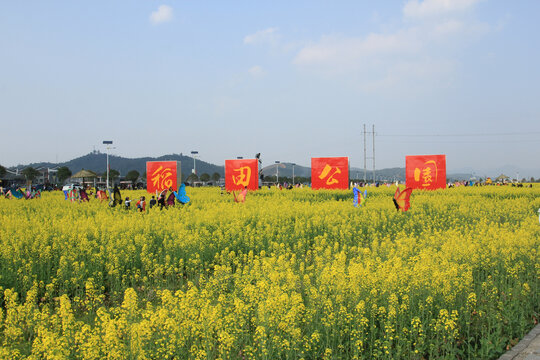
column 289, row 274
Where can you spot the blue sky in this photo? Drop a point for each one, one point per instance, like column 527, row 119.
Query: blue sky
column 289, row 79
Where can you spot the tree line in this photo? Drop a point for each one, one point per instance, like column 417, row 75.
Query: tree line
column 63, row 173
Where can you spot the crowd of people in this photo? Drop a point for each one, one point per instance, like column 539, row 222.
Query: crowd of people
column 115, row 198
column 20, row 193
column 167, row 198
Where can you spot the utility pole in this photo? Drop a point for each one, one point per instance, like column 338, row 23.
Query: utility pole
column 373, row 133
column 365, row 158
column 372, row 158
column 108, row 143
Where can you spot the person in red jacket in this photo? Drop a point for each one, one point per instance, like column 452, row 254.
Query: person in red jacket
column 141, row 204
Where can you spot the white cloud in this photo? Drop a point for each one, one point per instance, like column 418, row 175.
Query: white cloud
column 428, row 8
column 333, row 49
column 419, row 51
column 448, row 27
column 256, row 71
column 408, row 76
column 269, row 35
column 163, row 14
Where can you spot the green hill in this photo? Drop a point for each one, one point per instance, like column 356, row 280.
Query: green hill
column 97, row 162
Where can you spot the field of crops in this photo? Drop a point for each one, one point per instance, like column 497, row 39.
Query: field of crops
column 287, row 275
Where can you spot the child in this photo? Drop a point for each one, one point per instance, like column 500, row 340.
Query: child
column 153, row 201
column 141, row 204
column 127, row 203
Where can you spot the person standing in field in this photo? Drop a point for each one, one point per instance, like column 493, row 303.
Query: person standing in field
column 141, row 204
column 161, row 202
column 127, row 203
column 153, row 201
column 84, row 195
column 101, row 195
column 116, row 195
column 170, row 199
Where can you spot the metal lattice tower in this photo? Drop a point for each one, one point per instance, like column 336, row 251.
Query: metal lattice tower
column 372, row 157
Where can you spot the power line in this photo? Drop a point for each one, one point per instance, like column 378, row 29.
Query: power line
column 462, row 141
column 462, row 135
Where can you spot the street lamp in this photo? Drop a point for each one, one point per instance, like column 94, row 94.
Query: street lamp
column 260, row 174
column 108, row 143
column 293, row 165
column 277, row 171
column 194, row 153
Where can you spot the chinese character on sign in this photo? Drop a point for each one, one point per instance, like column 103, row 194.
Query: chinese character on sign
column 242, row 176
column 238, row 174
column 426, row 171
column 429, row 169
column 329, row 173
column 426, row 176
column 162, row 178
column 329, row 179
column 161, row 175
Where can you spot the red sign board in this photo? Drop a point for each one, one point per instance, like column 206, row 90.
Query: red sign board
column 426, row 171
column 161, row 175
column 330, row 173
column 241, row 173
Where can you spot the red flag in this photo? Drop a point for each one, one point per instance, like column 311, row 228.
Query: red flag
column 426, row 171
column 241, row 173
column 330, row 173
column 162, row 175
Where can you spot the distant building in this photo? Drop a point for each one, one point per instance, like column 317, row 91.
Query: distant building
column 12, row 178
column 502, row 178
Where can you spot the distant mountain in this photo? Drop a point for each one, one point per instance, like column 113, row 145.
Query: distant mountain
column 286, row 170
column 97, row 162
column 389, row 174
